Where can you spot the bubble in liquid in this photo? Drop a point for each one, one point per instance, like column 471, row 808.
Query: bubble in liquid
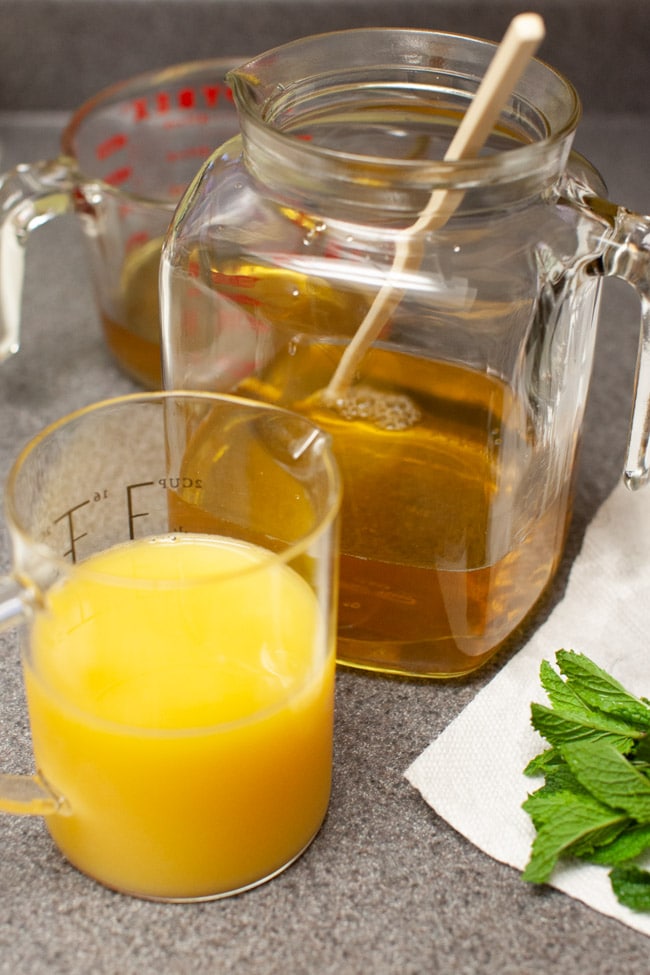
column 388, row 411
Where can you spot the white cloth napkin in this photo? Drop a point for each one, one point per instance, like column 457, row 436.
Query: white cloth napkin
column 472, row 774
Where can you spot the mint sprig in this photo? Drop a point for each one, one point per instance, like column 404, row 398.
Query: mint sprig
column 595, row 801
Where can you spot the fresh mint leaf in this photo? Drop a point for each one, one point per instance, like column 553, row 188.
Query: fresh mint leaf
column 595, row 800
column 562, row 779
column 560, row 790
column 598, row 689
column 544, row 762
column 629, row 845
column 631, row 886
column 574, row 823
column 560, row 692
column 588, row 848
column 609, row 777
column 542, row 806
column 641, row 754
column 559, row 727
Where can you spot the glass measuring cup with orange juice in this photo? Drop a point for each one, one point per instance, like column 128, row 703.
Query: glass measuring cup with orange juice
column 457, row 433
column 127, row 155
column 179, row 681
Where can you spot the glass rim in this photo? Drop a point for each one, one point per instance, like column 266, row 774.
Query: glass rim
column 52, row 559
column 141, row 83
column 439, row 172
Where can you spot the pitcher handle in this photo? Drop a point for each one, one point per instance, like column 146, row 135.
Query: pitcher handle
column 23, row 795
column 31, row 194
column 627, row 256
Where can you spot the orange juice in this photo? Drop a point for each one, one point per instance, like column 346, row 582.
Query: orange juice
column 181, row 695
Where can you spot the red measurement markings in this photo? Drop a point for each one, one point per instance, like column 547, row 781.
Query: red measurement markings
column 138, row 239
column 140, row 109
column 187, row 98
column 111, row 145
column 230, row 285
column 119, row 176
column 163, row 102
column 190, row 152
column 211, row 94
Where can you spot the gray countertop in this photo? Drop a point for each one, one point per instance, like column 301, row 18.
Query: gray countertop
column 58, row 52
column 387, row 886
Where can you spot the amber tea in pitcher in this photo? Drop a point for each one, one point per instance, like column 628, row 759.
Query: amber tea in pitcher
column 423, row 579
column 458, row 432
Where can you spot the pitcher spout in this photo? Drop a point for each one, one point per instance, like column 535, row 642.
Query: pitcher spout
column 245, row 85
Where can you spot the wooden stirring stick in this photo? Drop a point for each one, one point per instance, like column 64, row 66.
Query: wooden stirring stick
column 522, row 38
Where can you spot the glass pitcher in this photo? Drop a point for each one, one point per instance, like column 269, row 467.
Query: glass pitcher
column 457, row 429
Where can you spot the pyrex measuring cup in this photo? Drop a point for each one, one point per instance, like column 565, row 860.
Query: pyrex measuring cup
column 127, row 156
column 174, row 560
column 457, row 432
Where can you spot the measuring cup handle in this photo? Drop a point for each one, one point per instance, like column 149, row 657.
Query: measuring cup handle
column 30, row 195
column 627, row 256
column 28, row 795
column 25, row 795
column 16, row 601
